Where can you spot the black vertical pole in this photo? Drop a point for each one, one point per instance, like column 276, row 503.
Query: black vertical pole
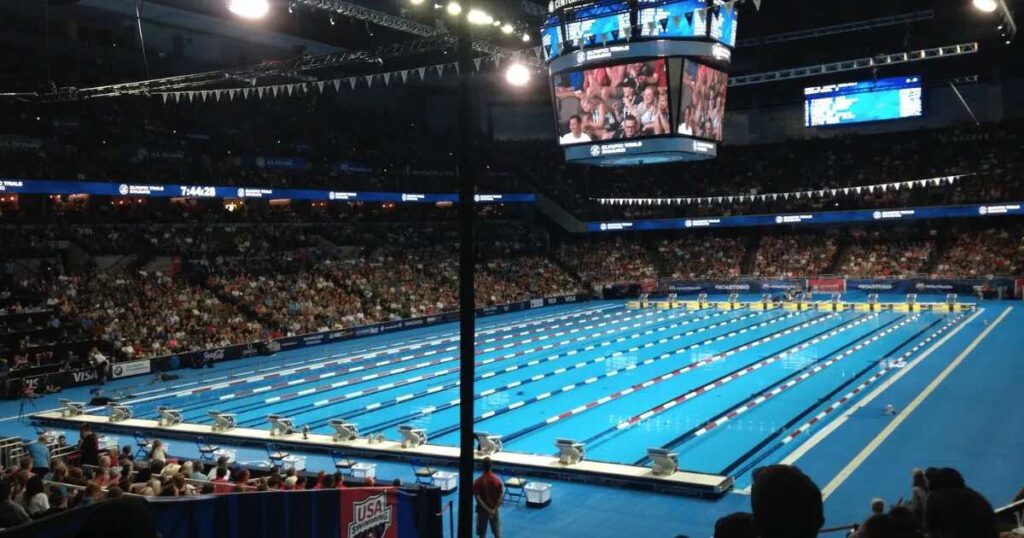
column 467, row 266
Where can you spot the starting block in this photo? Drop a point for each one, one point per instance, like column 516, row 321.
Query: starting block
column 640, row 304
column 72, row 409
column 832, row 307
column 119, row 412
column 169, row 417
column 280, row 426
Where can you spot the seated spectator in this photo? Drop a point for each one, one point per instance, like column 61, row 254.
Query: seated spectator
column 953, row 512
column 34, row 497
column 12, row 514
column 93, row 494
column 158, row 453
column 220, row 482
column 736, row 525
column 785, row 503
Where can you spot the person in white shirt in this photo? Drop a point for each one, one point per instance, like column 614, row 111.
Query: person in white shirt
column 684, row 127
column 575, row 134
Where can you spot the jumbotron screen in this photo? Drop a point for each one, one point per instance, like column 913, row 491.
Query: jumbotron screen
column 857, row 102
column 684, row 18
column 613, row 102
column 702, row 107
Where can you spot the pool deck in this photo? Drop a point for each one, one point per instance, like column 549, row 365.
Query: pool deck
column 698, row 484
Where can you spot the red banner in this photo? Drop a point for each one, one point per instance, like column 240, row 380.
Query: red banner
column 826, row 285
column 369, row 513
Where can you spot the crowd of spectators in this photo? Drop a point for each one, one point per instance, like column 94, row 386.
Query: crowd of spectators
column 615, row 261
column 794, row 255
column 980, row 253
column 990, row 156
column 703, row 256
column 871, row 257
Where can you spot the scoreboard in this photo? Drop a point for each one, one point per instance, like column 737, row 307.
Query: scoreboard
column 639, row 81
column 857, row 102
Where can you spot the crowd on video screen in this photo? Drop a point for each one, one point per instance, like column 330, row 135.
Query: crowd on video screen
column 703, row 106
column 614, row 102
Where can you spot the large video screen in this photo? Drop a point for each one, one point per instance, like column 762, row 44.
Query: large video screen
column 723, row 25
column 551, row 40
column 614, row 102
column 683, row 18
column 857, row 102
column 599, row 24
column 702, row 107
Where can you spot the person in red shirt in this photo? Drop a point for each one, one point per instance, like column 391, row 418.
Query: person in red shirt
column 489, row 493
column 221, row 484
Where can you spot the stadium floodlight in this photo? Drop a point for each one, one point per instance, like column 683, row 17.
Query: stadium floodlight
column 454, row 9
column 249, row 9
column 416, row 2
column 508, row 29
column 526, row 37
column 478, row 16
column 988, row 6
column 518, row 75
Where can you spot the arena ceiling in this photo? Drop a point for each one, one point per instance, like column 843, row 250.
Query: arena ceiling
column 186, row 36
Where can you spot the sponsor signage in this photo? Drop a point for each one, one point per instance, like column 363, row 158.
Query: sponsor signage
column 369, row 513
column 825, row 217
column 34, row 186
column 128, row 369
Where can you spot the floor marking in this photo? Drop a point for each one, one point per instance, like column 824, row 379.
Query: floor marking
column 902, row 416
column 820, row 436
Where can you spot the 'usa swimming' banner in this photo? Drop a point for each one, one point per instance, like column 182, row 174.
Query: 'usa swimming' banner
column 369, row 513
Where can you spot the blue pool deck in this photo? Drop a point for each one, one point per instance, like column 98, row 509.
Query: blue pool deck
column 726, row 390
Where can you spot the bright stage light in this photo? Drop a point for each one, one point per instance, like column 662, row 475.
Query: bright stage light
column 526, row 38
column 249, row 9
column 476, row 16
column 416, row 2
column 507, row 29
column 988, row 6
column 518, row 75
column 454, row 9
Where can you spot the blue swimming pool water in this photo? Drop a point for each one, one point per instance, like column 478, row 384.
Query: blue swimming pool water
column 623, row 380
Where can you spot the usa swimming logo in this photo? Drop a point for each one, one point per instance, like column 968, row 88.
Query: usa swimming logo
column 370, row 517
column 595, row 151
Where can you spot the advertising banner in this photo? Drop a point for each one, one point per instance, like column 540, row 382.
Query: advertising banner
column 827, row 285
column 369, row 513
column 128, row 369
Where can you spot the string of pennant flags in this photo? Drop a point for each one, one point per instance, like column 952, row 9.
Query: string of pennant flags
column 308, row 88
column 820, row 193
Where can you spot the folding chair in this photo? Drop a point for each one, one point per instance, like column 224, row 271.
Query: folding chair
column 206, row 450
column 144, row 444
column 515, row 488
column 342, row 463
column 424, row 475
column 275, row 455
